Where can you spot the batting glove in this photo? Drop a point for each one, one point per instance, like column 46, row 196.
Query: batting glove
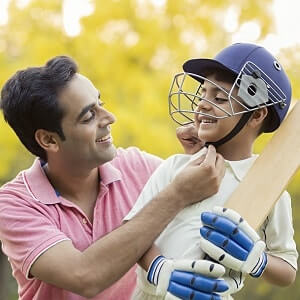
column 186, row 279
column 230, row 240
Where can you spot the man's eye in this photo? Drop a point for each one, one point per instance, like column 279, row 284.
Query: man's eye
column 90, row 117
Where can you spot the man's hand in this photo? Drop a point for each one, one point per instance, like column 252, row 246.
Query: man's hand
column 230, row 240
column 200, row 179
column 188, row 137
column 187, row 279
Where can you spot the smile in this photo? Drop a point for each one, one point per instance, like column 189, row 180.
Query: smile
column 207, row 121
column 104, row 139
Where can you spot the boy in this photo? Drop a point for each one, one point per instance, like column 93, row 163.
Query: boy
column 234, row 97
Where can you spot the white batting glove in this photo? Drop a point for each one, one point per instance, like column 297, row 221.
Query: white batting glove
column 187, row 279
column 229, row 239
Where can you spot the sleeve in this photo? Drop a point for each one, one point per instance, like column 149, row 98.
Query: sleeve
column 26, row 232
column 161, row 177
column 278, row 231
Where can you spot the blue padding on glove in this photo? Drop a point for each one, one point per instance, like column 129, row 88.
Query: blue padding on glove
column 224, row 242
column 187, row 279
column 199, row 282
column 227, row 227
column 187, row 293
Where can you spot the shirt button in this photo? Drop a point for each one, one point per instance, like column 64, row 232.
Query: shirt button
column 84, row 221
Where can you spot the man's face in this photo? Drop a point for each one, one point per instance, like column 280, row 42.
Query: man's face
column 86, row 125
column 211, row 128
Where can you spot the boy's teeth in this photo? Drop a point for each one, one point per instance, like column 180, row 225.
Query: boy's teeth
column 207, row 121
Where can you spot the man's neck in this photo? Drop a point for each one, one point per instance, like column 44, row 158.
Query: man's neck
column 73, row 185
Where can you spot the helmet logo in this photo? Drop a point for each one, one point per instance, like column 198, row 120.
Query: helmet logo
column 253, row 90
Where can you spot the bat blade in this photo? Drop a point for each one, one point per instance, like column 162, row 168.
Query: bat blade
column 268, row 177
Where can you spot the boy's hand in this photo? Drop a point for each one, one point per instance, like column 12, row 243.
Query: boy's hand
column 188, row 137
column 187, row 279
column 230, row 240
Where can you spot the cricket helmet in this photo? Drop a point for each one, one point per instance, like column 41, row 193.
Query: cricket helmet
column 259, row 79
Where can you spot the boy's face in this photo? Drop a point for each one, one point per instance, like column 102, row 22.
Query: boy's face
column 214, row 127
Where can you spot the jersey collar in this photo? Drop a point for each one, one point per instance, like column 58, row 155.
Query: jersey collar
column 39, row 187
column 241, row 167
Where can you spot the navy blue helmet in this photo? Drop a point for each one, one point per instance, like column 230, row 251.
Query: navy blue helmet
column 259, row 79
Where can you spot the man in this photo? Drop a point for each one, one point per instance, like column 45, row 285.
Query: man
column 59, row 220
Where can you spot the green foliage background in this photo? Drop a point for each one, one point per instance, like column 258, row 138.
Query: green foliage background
column 131, row 49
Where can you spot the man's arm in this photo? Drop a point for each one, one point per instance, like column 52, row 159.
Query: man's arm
column 89, row 272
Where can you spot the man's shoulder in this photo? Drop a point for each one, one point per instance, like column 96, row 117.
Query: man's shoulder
column 136, row 155
column 13, row 193
column 17, row 187
column 133, row 162
column 15, row 183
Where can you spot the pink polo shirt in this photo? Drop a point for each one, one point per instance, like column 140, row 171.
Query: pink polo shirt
column 33, row 218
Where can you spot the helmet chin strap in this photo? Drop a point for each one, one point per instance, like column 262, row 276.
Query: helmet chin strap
column 238, row 127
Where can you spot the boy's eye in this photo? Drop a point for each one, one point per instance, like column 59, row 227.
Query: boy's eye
column 221, row 100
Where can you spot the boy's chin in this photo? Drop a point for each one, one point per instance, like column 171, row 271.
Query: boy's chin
column 207, row 140
column 205, row 137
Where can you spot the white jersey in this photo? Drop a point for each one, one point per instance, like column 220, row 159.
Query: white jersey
column 181, row 237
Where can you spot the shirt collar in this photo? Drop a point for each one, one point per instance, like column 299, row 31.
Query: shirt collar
column 41, row 190
column 241, row 167
column 38, row 185
column 109, row 173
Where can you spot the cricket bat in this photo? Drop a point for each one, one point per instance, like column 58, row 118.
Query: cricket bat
column 268, row 177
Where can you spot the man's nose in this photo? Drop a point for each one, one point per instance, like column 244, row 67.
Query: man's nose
column 106, row 118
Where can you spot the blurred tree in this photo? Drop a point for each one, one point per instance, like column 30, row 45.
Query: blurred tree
column 131, row 49
column 8, row 286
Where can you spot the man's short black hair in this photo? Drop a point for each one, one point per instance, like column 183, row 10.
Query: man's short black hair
column 29, row 100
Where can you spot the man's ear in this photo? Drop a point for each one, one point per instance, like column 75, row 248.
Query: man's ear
column 47, row 140
column 258, row 117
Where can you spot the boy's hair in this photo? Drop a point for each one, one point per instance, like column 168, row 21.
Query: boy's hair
column 29, row 100
column 230, row 77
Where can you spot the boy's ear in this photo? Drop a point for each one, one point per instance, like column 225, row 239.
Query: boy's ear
column 47, row 140
column 258, row 117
